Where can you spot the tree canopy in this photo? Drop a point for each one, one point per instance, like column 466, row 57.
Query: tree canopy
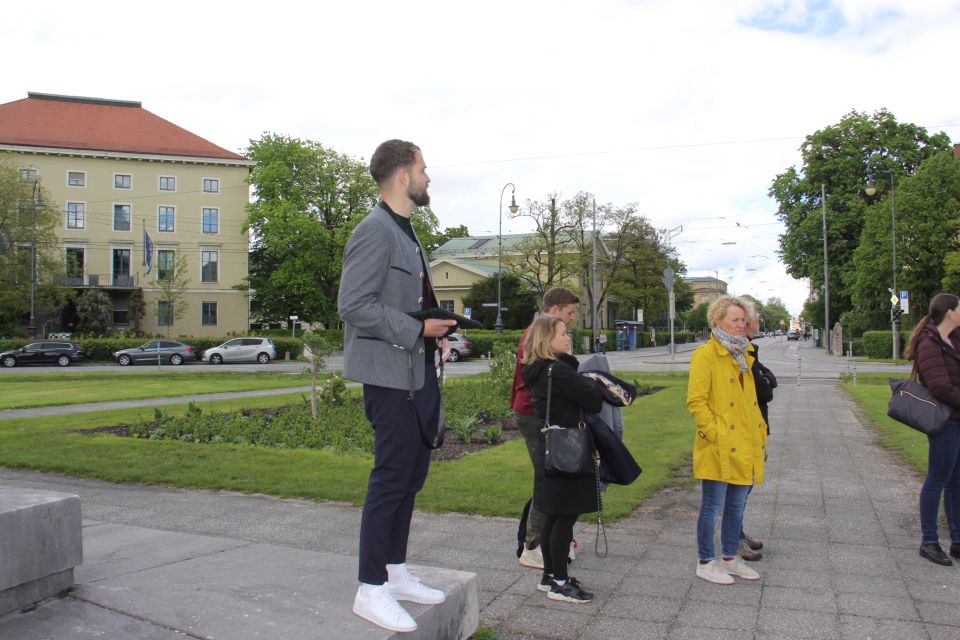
column 519, row 301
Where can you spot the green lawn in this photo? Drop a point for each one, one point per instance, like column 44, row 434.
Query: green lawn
column 496, row 481
column 21, row 391
column 872, row 393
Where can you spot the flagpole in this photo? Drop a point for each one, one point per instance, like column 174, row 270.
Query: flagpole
column 144, row 221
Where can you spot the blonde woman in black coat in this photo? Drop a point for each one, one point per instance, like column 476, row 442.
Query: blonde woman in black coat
column 561, row 500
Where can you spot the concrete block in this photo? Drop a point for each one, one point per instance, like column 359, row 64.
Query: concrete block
column 40, row 544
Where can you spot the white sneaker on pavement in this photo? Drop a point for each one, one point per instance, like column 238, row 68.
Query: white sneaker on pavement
column 532, row 558
column 737, row 567
column 404, row 585
column 713, row 572
column 374, row 603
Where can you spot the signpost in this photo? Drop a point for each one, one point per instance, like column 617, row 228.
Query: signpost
column 668, row 281
column 293, row 324
column 905, row 302
column 467, row 312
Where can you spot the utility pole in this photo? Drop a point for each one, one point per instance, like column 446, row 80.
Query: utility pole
column 36, row 200
column 593, row 282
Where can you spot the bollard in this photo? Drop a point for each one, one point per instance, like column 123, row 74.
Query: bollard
column 854, row 372
column 286, row 355
column 799, row 370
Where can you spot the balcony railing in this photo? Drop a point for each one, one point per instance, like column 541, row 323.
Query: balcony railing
column 120, row 281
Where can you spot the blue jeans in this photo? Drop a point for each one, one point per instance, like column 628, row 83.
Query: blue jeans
column 943, row 476
column 730, row 499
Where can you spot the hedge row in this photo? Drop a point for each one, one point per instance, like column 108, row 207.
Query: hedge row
column 879, row 344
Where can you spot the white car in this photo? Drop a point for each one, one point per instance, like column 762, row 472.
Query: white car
column 259, row 350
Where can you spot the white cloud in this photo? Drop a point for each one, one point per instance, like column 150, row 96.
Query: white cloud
column 680, row 107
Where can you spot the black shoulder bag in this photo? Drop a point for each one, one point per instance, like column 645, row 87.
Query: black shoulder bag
column 568, row 453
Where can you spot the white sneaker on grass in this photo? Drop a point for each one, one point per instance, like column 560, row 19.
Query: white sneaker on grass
column 713, row 572
column 374, row 603
column 404, row 585
column 735, row 566
column 532, row 558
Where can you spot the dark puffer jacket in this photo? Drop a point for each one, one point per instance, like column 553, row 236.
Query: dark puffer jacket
column 571, row 393
column 939, row 366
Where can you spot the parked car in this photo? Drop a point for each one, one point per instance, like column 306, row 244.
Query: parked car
column 259, row 350
column 793, row 334
column 167, row 350
column 459, row 346
column 61, row 353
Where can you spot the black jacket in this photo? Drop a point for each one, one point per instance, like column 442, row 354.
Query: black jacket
column 766, row 382
column 571, row 393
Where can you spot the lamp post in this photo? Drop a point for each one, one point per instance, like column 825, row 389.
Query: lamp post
column 36, row 200
column 826, row 272
column 498, row 325
column 871, row 190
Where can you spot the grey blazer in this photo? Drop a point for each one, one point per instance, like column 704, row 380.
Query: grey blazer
column 382, row 280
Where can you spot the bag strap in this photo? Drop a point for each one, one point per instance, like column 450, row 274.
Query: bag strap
column 431, row 443
column 601, row 529
column 549, row 390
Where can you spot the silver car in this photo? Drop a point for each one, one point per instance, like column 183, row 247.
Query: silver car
column 242, row 350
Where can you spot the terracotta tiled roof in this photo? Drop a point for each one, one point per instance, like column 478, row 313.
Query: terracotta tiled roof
column 91, row 124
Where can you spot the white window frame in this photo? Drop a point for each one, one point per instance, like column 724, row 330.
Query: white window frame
column 77, row 186
column 160, row 180
column 167, row 206
column 68, row 247
column 116, row 175
column 113, row 217
column 29, row 174
column 216, row 314
column 66, row 220
column 203, row 185
column 203, row 210
column 113, row 273
column 205, row 250
column 160, row 317
column 173, row 266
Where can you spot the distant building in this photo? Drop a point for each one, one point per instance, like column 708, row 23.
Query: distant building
column 120, row 174
column 706, row 289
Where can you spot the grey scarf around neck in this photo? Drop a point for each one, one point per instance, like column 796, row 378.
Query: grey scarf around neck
column 736, row 345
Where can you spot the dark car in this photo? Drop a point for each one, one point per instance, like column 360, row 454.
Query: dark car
column 165, row 350
column 61, row 353
column 793, row 334
column 459, row 346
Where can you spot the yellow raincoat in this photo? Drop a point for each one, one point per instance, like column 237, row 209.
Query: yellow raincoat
column 731, row 436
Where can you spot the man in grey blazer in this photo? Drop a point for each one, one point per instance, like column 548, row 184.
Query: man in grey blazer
column 386, row 277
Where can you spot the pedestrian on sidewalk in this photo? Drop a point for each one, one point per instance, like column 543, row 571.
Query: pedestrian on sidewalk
column 385, row 277
column 603, row 342
column 551, row 370
column 766, row 382
column 730, row 442
column 935, row 348
column 558, row 302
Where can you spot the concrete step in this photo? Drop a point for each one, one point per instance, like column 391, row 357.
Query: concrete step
column 146, row 583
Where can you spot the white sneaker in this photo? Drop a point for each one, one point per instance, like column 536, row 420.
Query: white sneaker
column 713, row 572
column 404, row 585
column 737, row 567
column 374, row 603
column 532, row 558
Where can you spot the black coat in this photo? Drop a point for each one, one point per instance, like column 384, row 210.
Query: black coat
column 571, row 393
column 766, row 382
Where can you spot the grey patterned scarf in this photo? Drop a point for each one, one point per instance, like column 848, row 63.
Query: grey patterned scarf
column 736, row 345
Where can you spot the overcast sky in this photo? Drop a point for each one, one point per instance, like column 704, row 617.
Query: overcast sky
column 687, row 108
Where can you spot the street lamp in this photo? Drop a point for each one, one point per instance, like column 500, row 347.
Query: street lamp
column 871, row 190
column 826, row 272
column 498, row 325
column 36, row 200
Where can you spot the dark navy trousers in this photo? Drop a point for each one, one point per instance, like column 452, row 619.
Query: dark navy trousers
column 401, row 461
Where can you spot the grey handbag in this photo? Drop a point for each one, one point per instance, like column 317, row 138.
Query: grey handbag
column 568, row 453
column 913, row 405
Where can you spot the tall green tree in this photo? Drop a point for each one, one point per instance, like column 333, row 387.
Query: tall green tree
column 94, row 312
column 171, row 301
column 546, row 259
column 927, row 206
column 841, row 157
column 519, row 301
column 308, row 200
column 28, row 219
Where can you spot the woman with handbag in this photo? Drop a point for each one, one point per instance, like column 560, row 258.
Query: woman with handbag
column 935, row 347
column 560, row 394
column 730, row 442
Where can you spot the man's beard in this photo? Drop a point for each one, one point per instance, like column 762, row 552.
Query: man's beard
column 420, row 198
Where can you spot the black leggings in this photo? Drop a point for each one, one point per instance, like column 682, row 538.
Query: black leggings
column 556, row 532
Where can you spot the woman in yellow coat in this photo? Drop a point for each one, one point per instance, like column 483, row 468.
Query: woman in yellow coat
column 729, row 445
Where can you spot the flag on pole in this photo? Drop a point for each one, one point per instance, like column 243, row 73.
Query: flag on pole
column 147, row 249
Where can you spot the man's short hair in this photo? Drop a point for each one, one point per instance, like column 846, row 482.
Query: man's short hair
column 559, row 297
column 390, row 156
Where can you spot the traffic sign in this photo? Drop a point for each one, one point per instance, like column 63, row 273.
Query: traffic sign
column 894, row 299
column 905, row 301
column 488, row 304
column 668, row 278
column 467, row 312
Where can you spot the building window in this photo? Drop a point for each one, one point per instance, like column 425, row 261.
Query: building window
column 77, row 178
column 211, row 185
column 122, row 181
column 29, row 175
column 164, row 313
column 76, row 215
column 121, row 217
column 165, row 260
column 121, row 268
column 209, row 266
column 168, row 183
column 208, row 313
column 211, row 220
column 121, row 316
column 447, row 305
column 165, row 218
column 74, row 257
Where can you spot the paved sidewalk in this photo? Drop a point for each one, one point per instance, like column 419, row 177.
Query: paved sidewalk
column 838, row 516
